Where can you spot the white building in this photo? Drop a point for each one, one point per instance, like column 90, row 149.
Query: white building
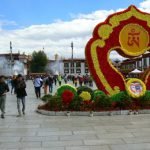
column 68, row 66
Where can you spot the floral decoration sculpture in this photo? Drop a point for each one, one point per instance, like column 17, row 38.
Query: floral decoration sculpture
column 127, row 32
column 67, row 93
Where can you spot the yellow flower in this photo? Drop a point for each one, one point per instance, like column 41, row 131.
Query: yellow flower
column 86, row 96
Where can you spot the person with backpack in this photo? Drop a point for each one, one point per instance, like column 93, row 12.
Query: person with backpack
column 3, row 90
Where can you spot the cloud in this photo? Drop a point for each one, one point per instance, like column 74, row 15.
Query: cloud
column 57, row 36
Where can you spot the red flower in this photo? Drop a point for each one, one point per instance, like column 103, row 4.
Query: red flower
column 67, row 96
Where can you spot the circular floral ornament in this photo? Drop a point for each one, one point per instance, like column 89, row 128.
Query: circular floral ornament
column 67, row 96
column 135, row 87
column 86, row 96
column 65, row 87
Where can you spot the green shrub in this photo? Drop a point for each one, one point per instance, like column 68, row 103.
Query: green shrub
column 46, row 97
column 145, row 100
column 55, row 103
column 84, row 88
column 102, row 101
column 76, row 104
column 122, row 99
column 97, row 93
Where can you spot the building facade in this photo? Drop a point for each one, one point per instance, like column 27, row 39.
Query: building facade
column 15, row 63
column 69, row 66
column 140, row 63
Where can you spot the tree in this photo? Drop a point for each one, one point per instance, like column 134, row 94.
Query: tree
column 39, row 62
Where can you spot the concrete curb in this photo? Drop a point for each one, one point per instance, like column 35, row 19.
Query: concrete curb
column 88, row 113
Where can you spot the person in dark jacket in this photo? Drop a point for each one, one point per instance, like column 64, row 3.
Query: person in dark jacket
column 3, row 90
column 20, row 93
column 50, row 83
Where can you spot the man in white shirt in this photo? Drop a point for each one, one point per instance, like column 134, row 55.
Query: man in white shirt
column 37, row 85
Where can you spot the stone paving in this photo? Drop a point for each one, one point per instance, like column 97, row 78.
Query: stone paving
column 38, row 132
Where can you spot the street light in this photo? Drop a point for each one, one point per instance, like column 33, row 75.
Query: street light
column 10, row 57
column 72, row 56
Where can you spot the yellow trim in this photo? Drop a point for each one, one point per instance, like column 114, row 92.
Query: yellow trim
column 104, row 31
column 115, row 20
column 97, row 67
column 131, row 80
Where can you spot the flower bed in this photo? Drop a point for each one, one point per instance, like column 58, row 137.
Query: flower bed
column 84, row 99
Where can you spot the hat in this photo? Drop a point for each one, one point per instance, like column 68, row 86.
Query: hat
column 19, row 75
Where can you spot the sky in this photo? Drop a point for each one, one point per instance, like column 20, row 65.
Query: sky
column 54, row 24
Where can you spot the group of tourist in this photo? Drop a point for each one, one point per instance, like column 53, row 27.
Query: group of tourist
column 81, row 80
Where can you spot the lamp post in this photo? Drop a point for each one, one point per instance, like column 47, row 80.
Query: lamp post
column 10, row 58
column 72, row 51
column 72, row 56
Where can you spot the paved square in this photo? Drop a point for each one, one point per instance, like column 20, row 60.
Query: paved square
column 38, row 132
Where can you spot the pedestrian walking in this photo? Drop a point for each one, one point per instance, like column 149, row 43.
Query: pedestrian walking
column 55, row 79
column 45, row 84
column 13, row 85
column 50, row 83
column 37, row 85
column 75, row 81
column 59, row 79
column 3, row 90
column 80, row 80
column 21, row 94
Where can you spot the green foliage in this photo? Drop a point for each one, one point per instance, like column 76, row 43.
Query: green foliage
column 55, row 103
column 122, row 99
column 46, row 97
column 120, row 96
column 102, row 101
column 145, row 100
column 39, row 62
column 64, row 87
column 97, row 93
column 76, row 104
column 84, row 88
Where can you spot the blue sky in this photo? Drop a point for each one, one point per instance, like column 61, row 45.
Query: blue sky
column 23, row 13
column 54, row 24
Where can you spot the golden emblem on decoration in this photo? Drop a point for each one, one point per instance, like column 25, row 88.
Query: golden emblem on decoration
column 133, row 39
column 135, row 87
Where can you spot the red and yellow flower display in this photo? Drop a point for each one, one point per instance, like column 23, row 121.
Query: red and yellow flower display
column 127, row 32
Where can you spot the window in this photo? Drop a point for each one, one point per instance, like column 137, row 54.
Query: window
column 78, row 70
column 72, row 64
column 66, row 64
column 66, row 70
column 86, row 65
column 144, row 62
column 78, row 64
column 86, row 70
column 72, row 70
